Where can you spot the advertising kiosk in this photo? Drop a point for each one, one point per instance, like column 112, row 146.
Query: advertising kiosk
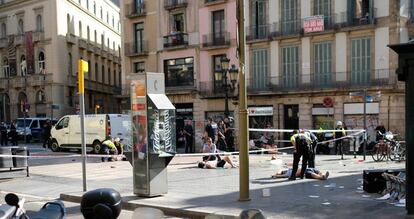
column 154, row 130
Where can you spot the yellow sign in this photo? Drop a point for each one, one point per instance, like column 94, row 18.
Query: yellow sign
column 82, row 69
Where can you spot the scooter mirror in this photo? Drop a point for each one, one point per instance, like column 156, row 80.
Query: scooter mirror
column 12, row 199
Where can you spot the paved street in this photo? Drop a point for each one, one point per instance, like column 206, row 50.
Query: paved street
column 197, row 192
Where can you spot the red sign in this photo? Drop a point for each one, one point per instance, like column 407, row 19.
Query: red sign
column 138, row 106
column 313, row 24
column 328, row 102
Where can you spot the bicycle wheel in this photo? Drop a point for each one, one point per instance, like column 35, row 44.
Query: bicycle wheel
column 377, row 155
column 397, row 152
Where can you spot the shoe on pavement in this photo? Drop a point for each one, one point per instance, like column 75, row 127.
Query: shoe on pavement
column 326, row 175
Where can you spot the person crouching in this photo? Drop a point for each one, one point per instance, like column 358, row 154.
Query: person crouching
column 108, row 148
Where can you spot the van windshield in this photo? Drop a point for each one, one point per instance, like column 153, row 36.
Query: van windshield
column 22, row 123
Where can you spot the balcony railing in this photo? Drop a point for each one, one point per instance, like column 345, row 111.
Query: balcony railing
column 135, row 10
column 172, row 4
column 38, row 36
column 70, row 38
column 216, row 39
column 4, row 42
column 346, row 19
column 314, row 82
column 257, row 32
column 213, row 89
column 40, row 79
column 136, row 48
column 175, row 40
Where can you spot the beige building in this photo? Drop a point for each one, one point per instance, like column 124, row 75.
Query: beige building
column 308, row 62
column 40, row 43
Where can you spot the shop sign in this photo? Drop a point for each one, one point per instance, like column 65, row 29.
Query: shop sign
column 313, row 24
column 260, row 111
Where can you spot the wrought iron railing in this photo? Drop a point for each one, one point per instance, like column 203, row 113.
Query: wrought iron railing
column 172, row 4
column 216, row 39
column 176, row 39
column 136, row 48
column 133, row 10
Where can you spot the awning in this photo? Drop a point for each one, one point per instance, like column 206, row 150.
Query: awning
column 161, row 101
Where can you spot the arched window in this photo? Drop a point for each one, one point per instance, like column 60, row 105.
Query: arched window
column 87, row 33
column 22, row 98
column 70, row 64
column 87, row 4
column 20, row 27
column 115, row 76
column 6, row 69
column 113, row 45
column 89, row 70
column 102, row 40
column 80, row 29
column 94, row 8
column 96, row 72
column 68, row 23
column 101, row 13
column 107, row 42
column 39, row 23
column 23, row 66
column 40, row 96
column 107, row 17
column 113, row 22
column 109, row 76
column 41, row 63
column 3, row 30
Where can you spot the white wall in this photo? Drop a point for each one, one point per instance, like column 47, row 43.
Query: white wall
column 382, row 7
column 340, row 6
column 274, row 11
column 274, row 59
column 305, row 60
column 381, row 50
column 305, row 8
column 340, row 61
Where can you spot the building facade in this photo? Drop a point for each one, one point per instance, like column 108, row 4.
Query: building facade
column 40, row 44
column 308, row 63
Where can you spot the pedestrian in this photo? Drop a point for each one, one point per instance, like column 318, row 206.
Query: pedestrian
column 108, row 148
column 46, row 133
column 301, row 148
column 221, row 139
column 338, row 134
column 13, row 133
column 3, row 134
column 181, row 138
column 313, row 145
column 119, row 148
column 188, row 132
column 228, row 134
column 209, row 131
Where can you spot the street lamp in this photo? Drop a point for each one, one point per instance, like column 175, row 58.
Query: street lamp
column 222, row 73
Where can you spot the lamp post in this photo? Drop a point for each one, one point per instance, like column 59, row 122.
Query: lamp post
column 221, row 74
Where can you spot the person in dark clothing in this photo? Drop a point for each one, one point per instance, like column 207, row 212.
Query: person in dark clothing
column 312, row 152
column 46, row 133
column 228, row 134
column 188, row 132
column 339, row 133
column 3, row 134
column 13, row 134
column 380, row 132
column 209, row 130
column 301, row 148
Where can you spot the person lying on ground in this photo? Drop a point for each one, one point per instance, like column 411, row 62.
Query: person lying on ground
column 213, row 164
column 310, row 173
column 212, row 161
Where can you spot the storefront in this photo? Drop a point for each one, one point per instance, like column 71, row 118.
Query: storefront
column 354, row 117
column 322, row 117
column 260, row 117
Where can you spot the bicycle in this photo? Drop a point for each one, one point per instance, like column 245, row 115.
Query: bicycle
column 397, row 152
column 381, row 151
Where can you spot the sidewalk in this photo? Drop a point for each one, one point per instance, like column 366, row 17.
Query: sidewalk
column 195, row 192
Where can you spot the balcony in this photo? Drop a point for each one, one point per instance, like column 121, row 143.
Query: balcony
column 38, row 36
column 19, row 82
column 213, row 2
column 135, row 11
column 19, row 39
column 290, row 28
column 82, row 43
column 4, row 42
column 207, row 89
column 173, row 4
column 90, row 46
column 346, row 19
column 70, row 38
column 4, row 84
column 180, row 85
column 97, row 49
column 136, row 49
column 381, row 78
column 216, row 40
column 257, row 32
column 176, row 40
column 40, row 79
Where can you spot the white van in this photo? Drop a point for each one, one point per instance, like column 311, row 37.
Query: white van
column 67, row 133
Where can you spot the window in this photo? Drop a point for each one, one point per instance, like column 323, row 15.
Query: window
column 41, row 63
column 40, row 96
column 218, row 85
column 360, row 61
column 139, row 67
column 218, row 25
column 138, row 37
column 103, row 74
column 96, row 72
column 20, row 27
column 3, row 30
column 289, row 16
column 88, row 33
column 95, row 36
column 360, row 11
column 120, row 78
column 70, row 99
column 178, row 23
column 94, row 8
column 80, row 29
column 323, row 7
column 322, row 63
column 179, row 72
column 70, row 70
column 113, row 22
column 115, row 77
column 6, row 69
column 101, row 13
column 109, row 76
column 23, row 65
column 259, row 27
column 107, row 17
column 39, row 23
column 107, row 42
column 87, row 4
column 113, row 45
column 89, row 70
column 260, row 68
column 290, row 66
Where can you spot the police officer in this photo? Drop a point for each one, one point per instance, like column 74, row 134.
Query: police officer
column 313, row 145
column 339, row 133
column 3, row 133
column 301, row 148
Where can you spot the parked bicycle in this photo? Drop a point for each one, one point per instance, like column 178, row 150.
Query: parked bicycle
column 388, row 148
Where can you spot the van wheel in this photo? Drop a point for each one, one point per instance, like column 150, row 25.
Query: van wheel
column 96, row 147
column 55, row 146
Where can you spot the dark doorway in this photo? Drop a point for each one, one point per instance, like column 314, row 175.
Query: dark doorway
column 291, row 119
column 184, row 117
